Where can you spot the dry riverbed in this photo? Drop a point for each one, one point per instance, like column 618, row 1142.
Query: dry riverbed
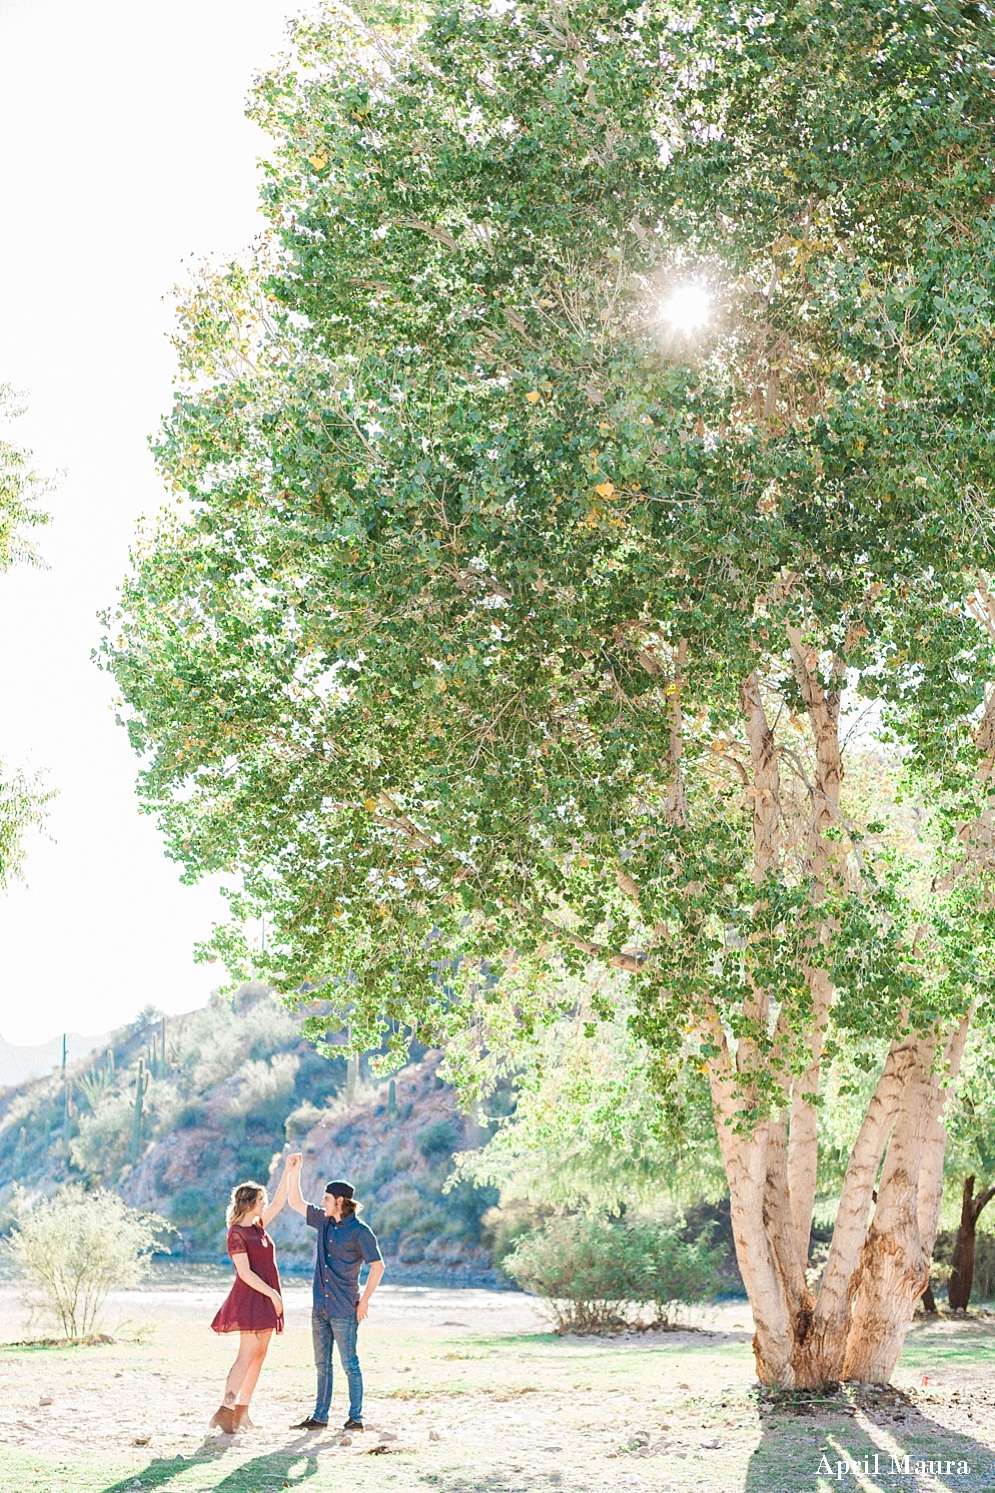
column 469, row 1390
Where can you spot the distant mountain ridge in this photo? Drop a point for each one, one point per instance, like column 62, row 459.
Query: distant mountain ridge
column 18, row 1064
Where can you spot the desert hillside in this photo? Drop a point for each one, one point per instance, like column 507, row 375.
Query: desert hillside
column 173, row 1113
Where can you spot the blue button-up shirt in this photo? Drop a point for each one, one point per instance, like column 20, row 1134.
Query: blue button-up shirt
column 343, row 1249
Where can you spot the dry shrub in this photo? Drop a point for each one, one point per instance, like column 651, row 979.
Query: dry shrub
column 77, row 1246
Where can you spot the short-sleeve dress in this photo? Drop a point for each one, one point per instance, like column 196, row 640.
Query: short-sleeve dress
column 246, row 1310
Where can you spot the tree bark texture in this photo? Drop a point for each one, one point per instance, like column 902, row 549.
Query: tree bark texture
column 878, row 1263
column 962, row 1271
column 823, row 713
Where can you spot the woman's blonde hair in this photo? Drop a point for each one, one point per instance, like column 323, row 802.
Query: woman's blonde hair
column 242, row 1198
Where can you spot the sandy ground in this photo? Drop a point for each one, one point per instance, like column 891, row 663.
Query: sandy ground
column 468, row 1390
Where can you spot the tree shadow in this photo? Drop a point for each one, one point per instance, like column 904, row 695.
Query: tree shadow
column 269, row 1467
column 814, row 1443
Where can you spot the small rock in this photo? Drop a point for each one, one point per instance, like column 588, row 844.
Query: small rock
column 433, row 1435
column 138, row 1483
column 45, row 1401
column 140, row 1440
column 710, row 1445
column 387, row 1436
column 343, row 1441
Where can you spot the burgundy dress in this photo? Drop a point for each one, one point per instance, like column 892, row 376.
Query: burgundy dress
column 246, row 1310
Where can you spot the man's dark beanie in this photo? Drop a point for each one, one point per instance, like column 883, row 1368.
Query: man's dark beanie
column 340, row 1189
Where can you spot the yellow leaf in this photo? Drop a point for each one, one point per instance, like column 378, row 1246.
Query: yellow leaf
column 533, row 396
column 318, row 161
column 370, row 804
column 605, row 489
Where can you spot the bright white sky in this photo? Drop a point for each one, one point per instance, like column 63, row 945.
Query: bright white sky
column 123, row 151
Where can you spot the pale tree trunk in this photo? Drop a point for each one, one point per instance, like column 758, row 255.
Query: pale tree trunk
column 894, row 1265
column 746, row 1158
column 841, row 1276
column 803, row 1153
column 896, row 1254
column 756, row 1158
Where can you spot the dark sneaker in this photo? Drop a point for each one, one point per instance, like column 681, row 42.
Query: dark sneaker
column 310, row 1424
column 353, row 1425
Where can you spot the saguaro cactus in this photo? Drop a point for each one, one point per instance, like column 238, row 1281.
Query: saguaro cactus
column 392, row 1101
column 67, row 1119
column 141, row 1087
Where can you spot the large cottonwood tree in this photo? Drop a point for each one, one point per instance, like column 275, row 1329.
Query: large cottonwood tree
column 503, row 624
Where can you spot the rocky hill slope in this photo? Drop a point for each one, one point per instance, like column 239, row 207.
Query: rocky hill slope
column 176, row 1112
column 398, row 1156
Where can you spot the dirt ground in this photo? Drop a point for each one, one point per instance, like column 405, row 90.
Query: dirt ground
column 469, row 1390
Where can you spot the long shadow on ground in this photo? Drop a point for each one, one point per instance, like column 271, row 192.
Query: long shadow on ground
column 269, row 1470
column 810, row 1444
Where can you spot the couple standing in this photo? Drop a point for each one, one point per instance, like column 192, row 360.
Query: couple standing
column 254, row 1306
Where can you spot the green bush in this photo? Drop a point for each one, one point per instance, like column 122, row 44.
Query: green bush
column 300, row 1121
column 438, row 1139
column 102, row 1146
column 467, row 1204
column 253, row 1160
column 593, row 1271
column 502, row 1227
column 199, row 1215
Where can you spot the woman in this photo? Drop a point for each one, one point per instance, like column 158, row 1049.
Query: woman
column 254, row 1306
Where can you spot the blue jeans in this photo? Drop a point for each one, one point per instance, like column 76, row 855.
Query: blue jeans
column 325, row 1331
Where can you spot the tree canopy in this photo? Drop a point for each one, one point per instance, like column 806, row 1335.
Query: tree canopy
column 506, row 621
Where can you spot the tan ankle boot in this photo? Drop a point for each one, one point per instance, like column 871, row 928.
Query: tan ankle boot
column 224, row 1417
column 242, row 1421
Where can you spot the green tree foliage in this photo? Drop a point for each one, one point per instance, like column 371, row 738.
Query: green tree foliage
column 504, row 626
column 590, row 1128
column 76, row 1247
column 971, row 1125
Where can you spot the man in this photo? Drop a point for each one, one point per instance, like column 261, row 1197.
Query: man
column 344, row 1245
